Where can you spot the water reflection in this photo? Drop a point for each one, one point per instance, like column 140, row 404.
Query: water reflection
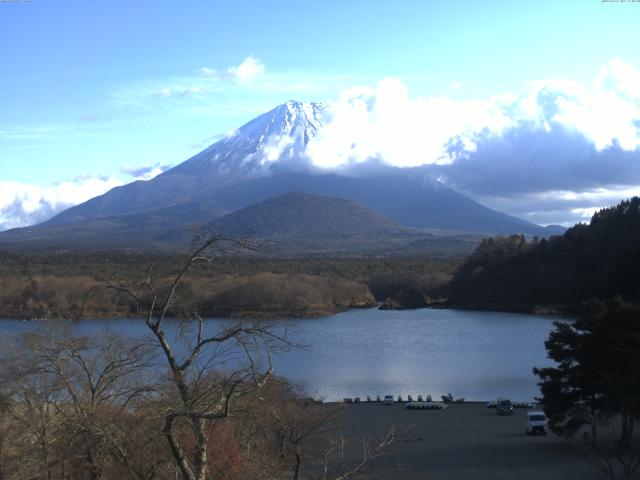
column 477, row 355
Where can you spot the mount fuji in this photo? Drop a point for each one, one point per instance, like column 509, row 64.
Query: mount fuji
column 261, row 160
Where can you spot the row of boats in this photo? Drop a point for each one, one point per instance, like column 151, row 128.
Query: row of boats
column 389, row 399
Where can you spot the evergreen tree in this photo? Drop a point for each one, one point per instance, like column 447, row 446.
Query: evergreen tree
column 601, row 260
column 597, row 377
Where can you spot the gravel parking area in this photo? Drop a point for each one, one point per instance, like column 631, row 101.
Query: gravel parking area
column 466, row 441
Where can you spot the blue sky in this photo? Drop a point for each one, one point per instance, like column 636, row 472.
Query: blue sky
column 94, row 94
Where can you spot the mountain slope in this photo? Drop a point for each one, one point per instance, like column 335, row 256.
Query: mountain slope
column 299, row 224
column 138, row 230
column 404, row 196
column 295, row 224
column 261, row 160
column 245, row 154
column 299, row 214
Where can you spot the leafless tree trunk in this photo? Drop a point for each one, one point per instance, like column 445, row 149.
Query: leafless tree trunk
column 205, row 389
column 354, row 464
column 5, row 405
column 615, row 452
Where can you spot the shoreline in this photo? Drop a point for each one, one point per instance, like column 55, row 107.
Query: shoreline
column 244, row 315
column 306, row 314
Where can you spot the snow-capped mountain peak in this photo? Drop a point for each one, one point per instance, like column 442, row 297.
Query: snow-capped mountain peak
column 280, row 133
column 295, row 118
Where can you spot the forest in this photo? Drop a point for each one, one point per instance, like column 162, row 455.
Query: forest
column 56, row 284
column 596, row 260
column 515, row 273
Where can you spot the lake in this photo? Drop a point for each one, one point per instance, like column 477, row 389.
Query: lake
column 472, row 354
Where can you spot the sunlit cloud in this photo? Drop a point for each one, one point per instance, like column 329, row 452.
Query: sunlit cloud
column 243, row 73
column 24, row 204
column 247, row 70
column 384, row 123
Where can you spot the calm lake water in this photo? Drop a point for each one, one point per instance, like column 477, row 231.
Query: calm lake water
column 476, row 355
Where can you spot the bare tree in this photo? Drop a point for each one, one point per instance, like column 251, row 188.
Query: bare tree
column 71, row 394
column 207, row 369
column 297, row 425
column 94, row 408
column 347, row 457
column 604, row 448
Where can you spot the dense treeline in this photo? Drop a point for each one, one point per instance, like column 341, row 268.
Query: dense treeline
column 601, row 260
column 57, row 284
column 105, row 264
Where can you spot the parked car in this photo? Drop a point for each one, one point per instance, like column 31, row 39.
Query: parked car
column 388, row 400
column 536, row 423
column 504, row 406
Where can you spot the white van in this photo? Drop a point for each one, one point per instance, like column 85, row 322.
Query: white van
column 388, row 400
column 536, row 423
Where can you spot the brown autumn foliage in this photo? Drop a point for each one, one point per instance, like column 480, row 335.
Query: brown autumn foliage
column 55, row 285
column 304, row 295
column 80, row 408
column 52, row 297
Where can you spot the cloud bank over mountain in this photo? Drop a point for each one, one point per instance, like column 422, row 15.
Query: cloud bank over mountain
column 557, row 145
column 553, row 153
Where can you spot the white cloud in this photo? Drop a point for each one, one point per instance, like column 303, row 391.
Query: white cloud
column 620, row 77
column 23, row 204
column 209, row 72
column 243, row 73
column 145, row 172
column 231, row 92
column 605, row 114
column 274, row 148
column 385, row 123
column 585, row 213
column 560, row 207
column 203, row 88
column 172, row 92
column 250, row 68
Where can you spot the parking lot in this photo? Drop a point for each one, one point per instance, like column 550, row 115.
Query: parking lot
column 466, row 441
